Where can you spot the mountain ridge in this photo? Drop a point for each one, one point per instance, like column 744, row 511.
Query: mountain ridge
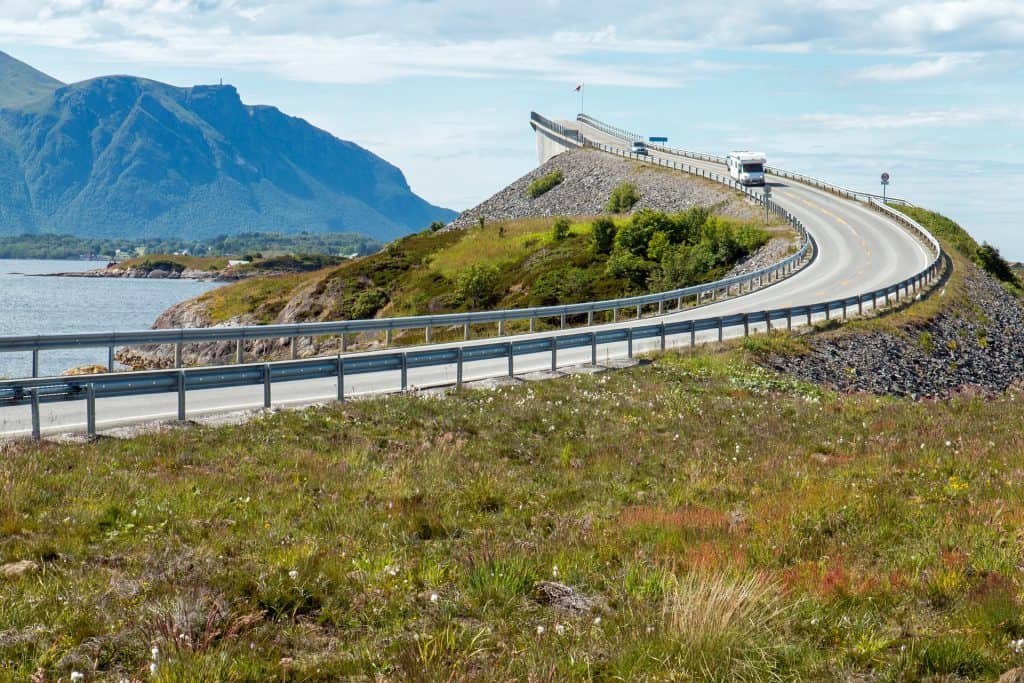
column 21, row 83
column 128, row 156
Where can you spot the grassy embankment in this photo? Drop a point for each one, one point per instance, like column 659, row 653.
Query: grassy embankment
column 729, row 524
column 270, row 264
column 500, row 265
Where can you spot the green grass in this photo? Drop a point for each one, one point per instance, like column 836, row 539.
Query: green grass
column 729, row 524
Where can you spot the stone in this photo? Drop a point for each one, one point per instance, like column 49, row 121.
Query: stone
column 15, row 570
column 1013, row 675
column 563, row 597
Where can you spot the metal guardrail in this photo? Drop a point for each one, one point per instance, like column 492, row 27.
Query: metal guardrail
column 34, row 392
column 779, row 172
column 241, row 334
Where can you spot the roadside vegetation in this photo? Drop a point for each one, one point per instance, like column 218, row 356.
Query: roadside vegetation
column 698, row 518
column 530, row 262
column 255, row 263
column 984, row 255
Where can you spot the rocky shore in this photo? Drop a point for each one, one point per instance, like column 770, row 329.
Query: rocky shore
column 970, row 347
column 222, row 275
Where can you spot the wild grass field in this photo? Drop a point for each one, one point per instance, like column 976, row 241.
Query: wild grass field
column 706, row 519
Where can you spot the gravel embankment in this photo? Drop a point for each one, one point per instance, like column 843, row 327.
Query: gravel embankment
column 590, row 177
column 957, row 351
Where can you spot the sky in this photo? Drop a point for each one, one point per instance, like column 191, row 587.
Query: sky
column 931, row 91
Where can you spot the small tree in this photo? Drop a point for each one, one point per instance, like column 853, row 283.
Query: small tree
column 436, row 225
column 477, row 286
column 623, row 198
column 604, row 235
column 481, row 221
column 560, row 228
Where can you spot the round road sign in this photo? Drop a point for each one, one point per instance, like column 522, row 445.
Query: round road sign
column 885, row 178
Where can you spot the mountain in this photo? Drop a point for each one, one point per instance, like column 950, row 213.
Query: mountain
column 20, row 83
column 120, row 156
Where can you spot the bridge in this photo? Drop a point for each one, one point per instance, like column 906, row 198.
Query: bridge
column 855, row 255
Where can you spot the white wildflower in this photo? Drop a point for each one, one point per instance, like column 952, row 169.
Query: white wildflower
column 77, row 676
column 434, row 597
column 559, row 629
column 540, row 630
column 293, row 574
column 554, row 571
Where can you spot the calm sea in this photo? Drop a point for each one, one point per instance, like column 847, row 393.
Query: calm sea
column 54, row 305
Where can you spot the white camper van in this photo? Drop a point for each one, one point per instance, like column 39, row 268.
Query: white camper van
column 746, row 168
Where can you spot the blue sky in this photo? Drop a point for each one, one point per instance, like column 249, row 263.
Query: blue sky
column 931, row 91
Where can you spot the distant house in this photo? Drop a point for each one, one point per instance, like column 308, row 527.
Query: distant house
column 233, row 263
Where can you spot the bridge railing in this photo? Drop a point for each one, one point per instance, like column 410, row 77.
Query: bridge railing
column 660, row 302
column 779, row 172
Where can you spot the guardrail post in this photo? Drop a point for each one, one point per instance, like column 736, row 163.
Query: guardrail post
column 590, row 318
column 37, row 431
column 808, row 316
column 511, row 361
column 554, row 354
column 679, row 303
column 427, row 336
column 593, row 348
column 661, row 307
column 90, row 410
column 341, row 379
column 844, row 309
column 629, row 342
column 465, row 331
column 110, row 359
column 344, row 342
column 35, row 362
column 405, row 371
column 693, row 334
column 239, row 350
column 746, row 325
column 561, row 322
column 615, row 315
column 533, row 324
column 874, row 301
column 501, row 328
column 662, row 330
column 458, row 368
column 294, row 342
column 177, row 355
column 828, row 310
column 639, row 312
column 767, row 322
column 387, row 337
column 266, row 385
column 721, row 330
column 860, row 304
column 789, row 319
column 181, row 396
column 897, row 293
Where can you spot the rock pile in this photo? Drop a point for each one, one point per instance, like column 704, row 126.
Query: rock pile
column 958, row 350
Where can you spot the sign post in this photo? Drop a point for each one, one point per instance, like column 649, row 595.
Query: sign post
column 885, row 183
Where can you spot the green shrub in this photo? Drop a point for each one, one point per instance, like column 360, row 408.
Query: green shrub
column 560, row 229
column 604, row 235
column 544, row 184
column 634, row 237
column 436, row 225
column 367, row 303
column 623, row 198
column 628, row 266
column 562, row 286
column 477, row 286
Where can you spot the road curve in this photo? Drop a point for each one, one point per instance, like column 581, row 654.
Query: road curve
column 859, row 249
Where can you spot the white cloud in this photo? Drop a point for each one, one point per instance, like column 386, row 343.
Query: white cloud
column 908, row 119
column 926, row 68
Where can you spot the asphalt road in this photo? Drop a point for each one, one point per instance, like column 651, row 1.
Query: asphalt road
column 859, row 250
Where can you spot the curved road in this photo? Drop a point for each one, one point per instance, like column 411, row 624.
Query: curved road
column 859, row 250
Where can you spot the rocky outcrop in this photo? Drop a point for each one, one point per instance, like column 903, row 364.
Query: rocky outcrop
column 590, row 177
column 978, row 349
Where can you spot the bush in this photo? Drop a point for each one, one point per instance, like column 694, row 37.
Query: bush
column 628, row 266
column 562, row 286
column 634, row 236
column 604, row 235
column 367, row 303
column 623, row 198
column 436, row 225
column 560, row 229
column 477, row 286
column 989, row 258
column 544, row 183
